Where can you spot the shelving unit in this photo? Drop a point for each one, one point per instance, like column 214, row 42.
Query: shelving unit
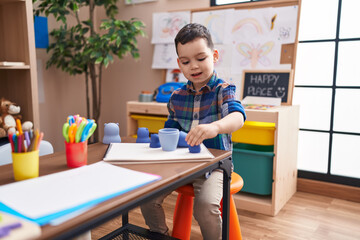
column 17, row 44
column 146, row 108
column 286, row 119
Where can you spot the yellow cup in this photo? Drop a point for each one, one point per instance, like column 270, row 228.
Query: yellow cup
column 25, row 165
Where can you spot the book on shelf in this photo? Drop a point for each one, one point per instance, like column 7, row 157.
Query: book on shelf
column 6, row 63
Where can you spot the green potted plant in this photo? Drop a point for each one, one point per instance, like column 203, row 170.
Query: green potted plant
column 83, row 49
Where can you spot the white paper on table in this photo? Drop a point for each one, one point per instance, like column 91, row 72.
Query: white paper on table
column 53, row 193
column 143, row 152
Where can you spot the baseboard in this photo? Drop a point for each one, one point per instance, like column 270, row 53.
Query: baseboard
column 334, row 190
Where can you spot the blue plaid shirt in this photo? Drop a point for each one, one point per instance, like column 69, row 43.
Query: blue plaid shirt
column 188, row 108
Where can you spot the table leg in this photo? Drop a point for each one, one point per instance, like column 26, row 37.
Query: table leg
column 226, row 165
column 125, row 218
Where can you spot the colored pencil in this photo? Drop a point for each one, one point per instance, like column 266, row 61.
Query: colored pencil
column 19, row 143
column 23, row 146
column 11, row 141
column 27, row 138
column 32, row 142
column 36, row 140
column 18, row 125
column 40, row 138
column 15, row 142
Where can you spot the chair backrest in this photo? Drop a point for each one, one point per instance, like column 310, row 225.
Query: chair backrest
column 5, row 154
column 5, row 151
column 45, row 148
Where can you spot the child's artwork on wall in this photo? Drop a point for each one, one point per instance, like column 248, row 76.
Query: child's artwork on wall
column 259, row 55
column 252, row 48
column 216, row 21
column 225, row 56
column 164, row 56
column 175, row 75
column 283, row 23
column 236, row 79
column 257, row 36
column 166, row 25
column 246, row 39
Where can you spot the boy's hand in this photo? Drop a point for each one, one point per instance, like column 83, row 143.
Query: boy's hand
column 228, row 124
column 201, row 132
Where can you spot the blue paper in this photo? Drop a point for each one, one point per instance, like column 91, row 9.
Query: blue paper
column 41, row 32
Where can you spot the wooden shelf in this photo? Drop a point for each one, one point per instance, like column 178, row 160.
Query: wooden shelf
column 151, row 108
column 10, row 1
column 19, row 83
column 286, row 119
column 15, row 67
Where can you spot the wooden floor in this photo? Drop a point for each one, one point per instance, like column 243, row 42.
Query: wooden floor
column 305, row 216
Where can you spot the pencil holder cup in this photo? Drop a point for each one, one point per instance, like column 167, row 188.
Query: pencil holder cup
column 25, row 165
column 142, row 135
column 195, row 149
column 76, row 154
column 154, row 141
column 182, row 143
column 169, row 138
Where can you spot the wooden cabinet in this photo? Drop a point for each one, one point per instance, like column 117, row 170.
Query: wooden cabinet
column 17, row 44
column 147, row 108
column 286, row 119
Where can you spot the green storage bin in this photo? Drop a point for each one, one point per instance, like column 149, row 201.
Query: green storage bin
column 254, row 163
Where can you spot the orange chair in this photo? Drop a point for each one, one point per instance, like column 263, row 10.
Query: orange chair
column 184, row 210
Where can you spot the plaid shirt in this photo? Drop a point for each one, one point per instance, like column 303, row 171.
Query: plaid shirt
column 188, row 108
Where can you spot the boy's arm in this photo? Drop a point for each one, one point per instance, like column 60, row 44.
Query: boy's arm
column 230, row 123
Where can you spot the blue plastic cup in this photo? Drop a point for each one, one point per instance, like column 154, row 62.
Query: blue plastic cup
column 169, row 138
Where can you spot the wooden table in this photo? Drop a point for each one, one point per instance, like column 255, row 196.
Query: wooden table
column 173, row 176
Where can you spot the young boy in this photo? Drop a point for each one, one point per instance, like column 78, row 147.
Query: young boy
column 206, row 109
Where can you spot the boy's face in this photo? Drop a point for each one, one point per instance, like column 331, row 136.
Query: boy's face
column 196, row 61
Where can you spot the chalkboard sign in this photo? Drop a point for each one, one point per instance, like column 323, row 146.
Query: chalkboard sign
column 268, row 84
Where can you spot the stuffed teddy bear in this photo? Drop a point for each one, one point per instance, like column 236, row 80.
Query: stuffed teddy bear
column 9, row 112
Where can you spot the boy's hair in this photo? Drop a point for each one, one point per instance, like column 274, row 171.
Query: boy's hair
column 192, row 31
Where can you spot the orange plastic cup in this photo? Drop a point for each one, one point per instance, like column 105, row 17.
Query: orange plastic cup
column 25, row 165
column 76, row 154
